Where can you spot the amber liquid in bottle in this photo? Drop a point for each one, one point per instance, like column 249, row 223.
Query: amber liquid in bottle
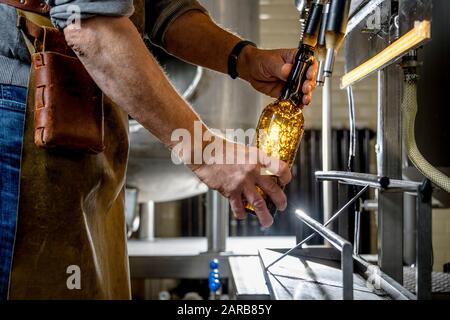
column 281, row 124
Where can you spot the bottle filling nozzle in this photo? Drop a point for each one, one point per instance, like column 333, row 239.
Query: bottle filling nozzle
column 292, row 89
column 328, row 64
column 321, row 50
column 312, row 26
column 335, row 31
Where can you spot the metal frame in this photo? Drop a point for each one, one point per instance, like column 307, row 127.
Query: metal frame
column 366, row 179
column 390, row 285
column 389, row 159
column 424, row 242
column 423, row 193
column 339, row 243
column 400, row 17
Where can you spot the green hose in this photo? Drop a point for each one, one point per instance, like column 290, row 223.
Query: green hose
column 409, row 111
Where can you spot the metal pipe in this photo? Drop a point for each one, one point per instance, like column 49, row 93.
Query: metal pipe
column 336, row 240
column 326, row 148
column 357, row 231
column 147, row 221
column 424, row 247
column 216, row 221
column 329, row 62
column 379, row 147
column 339, row 243
column 370, row 205
column 410, row 229
column 373, row 181
column 312, row 26
column 335, row 31
column 321, row 50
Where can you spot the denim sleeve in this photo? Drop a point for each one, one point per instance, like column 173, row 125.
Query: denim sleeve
column 161, row 13
column 63, row 10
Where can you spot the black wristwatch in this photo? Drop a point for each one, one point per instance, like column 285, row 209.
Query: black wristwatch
column 234, row 55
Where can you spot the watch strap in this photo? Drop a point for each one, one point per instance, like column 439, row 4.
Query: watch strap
column 234, row 55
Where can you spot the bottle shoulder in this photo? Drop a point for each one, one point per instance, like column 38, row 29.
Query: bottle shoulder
column 283, row 106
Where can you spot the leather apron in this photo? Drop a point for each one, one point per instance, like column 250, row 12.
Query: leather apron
column 71, row 238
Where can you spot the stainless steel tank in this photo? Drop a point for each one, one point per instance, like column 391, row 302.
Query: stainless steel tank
column 221, row 102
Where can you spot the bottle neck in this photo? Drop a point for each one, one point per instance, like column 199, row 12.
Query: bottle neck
column 293, row 88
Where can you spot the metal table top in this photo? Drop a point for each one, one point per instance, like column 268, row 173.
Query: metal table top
column 299, row 278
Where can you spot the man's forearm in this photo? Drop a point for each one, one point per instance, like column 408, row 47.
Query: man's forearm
column 119, row 62
column 194, row 37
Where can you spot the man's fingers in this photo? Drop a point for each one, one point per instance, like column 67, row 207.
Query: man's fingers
column 272, row 189
column 237, row 207
column 278, row 63
column 276, row 167
column 288, row 56
column 306, row 99
column 312, row 70
column 310, row 74
column 308, row 87
column 258, row 203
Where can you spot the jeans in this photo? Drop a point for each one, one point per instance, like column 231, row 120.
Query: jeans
column 12, row 118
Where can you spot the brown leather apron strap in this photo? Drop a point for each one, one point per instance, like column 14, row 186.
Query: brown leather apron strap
column 38, row 6
column 28, row 27
column 40, row 35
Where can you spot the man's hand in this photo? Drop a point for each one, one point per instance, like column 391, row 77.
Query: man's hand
column 267, row 70
column 238, row 181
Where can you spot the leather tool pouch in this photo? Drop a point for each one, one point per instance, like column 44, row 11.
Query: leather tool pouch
column 68, row 103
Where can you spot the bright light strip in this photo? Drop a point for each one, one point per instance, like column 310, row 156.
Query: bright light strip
column 418, row 34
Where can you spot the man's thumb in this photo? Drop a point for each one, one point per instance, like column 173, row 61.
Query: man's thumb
column 285, row 70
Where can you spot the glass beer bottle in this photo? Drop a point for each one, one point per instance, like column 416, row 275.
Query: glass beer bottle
column 281, row 124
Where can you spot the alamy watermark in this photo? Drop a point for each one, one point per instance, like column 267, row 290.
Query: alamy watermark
column 73, row 281
column 373, row 21
column 215, row 146
column 373, row 281
column 74, row 19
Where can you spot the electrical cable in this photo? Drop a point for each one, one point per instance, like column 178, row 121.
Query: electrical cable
column 352, row 125
column 351, row 166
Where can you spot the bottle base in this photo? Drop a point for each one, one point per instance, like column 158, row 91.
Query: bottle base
column 272, row 209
